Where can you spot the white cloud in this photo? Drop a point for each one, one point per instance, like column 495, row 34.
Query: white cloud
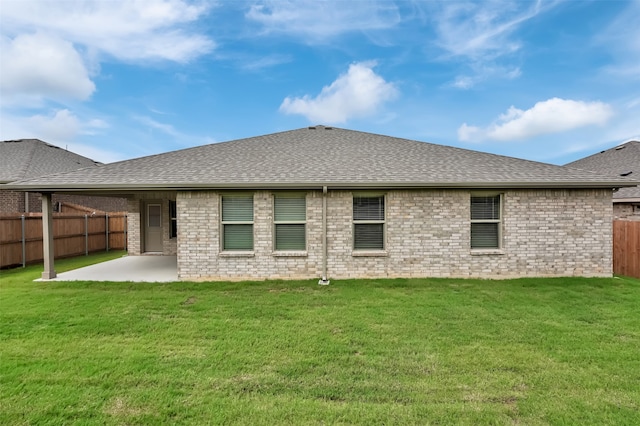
column 483, row 73
column 481, row 30
column 268, row 61
column 56, row 126
column 63, row 125
column 38, row 66
column 358, row 93
column 164, row 128
column 96, row 154
column 127, row 30
column 61, row 128
column 177, row 138
column 51, row 50
column 622, row 40
column 551, row 116
column 317, row 21
column 481, row 34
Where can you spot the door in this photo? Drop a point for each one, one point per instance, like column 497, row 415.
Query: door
column 153, row 228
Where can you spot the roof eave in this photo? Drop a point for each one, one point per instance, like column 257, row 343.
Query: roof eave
column 311, row 185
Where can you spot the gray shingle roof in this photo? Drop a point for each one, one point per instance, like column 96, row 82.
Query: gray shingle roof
column 616, row 161
column 30, row 158
column 318, row 156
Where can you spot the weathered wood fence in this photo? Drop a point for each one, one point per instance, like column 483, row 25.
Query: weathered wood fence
column 626, row 248
column 73, row 235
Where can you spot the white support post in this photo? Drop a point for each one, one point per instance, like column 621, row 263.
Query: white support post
column 47, row 237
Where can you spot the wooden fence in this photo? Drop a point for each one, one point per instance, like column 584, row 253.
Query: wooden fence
column 626, row 248
column 73, row 235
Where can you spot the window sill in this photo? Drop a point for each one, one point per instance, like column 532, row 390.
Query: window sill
column 370, row 253
column 484, row 252
column 292, row 253
column 237, row 254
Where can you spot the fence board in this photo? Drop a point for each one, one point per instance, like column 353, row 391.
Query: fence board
column 69, row 234
column 626, row 248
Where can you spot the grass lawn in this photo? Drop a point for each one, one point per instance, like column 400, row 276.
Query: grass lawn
column 419, row 351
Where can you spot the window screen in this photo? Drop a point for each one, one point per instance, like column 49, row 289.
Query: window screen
column 368, row 223
column 485, row 222
column 290, row 215
column 237, row 222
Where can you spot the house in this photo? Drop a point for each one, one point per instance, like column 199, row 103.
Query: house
column 30, row 158
column 624, row 161
column 326, row 202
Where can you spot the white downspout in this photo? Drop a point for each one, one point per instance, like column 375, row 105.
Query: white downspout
column 324, row 280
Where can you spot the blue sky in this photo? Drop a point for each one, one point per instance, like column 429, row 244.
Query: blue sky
column 549, row 81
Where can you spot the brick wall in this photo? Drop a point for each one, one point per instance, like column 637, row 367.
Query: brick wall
column 200, row 255
column 545, row 233
column 14, row 202
column 626, row 211
column 135, row 220
column 11, row 202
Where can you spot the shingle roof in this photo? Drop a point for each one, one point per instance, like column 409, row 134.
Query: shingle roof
column 620, row 161
column 319, row 156
column 30, row 158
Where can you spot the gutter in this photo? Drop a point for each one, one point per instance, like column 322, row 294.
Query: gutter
column 128, row 187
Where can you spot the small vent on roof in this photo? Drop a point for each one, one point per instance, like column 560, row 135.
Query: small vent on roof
column 328, row 128
column 312, row 127
column 618, row 148
column 626, row 173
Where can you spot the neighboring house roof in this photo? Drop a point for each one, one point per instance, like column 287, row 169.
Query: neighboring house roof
column 30, row 158
column 320, row 156
column 620, row 161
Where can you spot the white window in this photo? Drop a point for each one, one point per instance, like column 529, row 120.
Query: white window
column 289, row 217
column 237, row 222
column 368, row 222
column 486, row 219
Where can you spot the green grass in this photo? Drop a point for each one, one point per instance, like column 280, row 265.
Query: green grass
column 420, row 351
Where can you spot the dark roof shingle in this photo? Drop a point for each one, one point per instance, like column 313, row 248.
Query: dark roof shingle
column 620, row 161
column 318, row 156
column 29, row 158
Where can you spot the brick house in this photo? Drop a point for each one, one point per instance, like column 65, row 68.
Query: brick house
column 30, row 158
column 323, row 202
column 622, row 160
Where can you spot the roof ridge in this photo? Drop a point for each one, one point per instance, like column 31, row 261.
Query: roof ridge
column 32, row 151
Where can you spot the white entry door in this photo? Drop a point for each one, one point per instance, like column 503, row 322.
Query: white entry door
column 153, row 228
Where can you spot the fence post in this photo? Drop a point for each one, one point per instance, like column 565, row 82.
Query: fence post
column 106, row 218
column 86, row 235
column 24, row 244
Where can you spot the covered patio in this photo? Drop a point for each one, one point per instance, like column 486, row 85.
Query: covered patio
column 127, row 268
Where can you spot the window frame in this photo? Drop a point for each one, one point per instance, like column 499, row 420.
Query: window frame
column 224, row 223
column 173, row 219
column 276, row 222
column 383, row 222
column 499, row 221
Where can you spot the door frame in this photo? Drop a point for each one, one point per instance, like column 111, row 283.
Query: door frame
column 144, row 222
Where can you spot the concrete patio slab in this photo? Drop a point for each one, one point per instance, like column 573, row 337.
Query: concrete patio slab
column 127, row 268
